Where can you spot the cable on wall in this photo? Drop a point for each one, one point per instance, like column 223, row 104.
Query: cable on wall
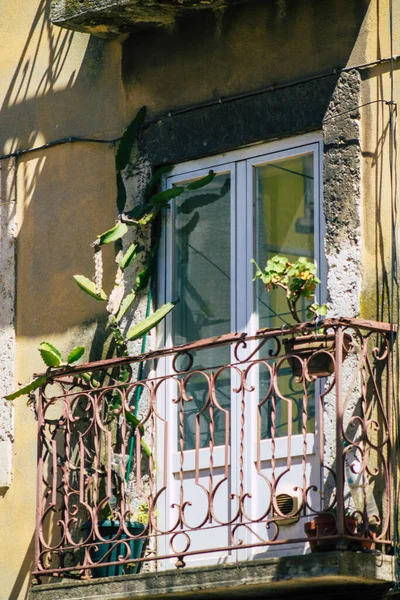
column 270, row 88
column 66, row 140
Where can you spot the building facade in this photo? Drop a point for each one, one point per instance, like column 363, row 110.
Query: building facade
column 293, row 106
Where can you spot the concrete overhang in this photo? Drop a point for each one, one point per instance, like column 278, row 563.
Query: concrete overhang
column 110, row 18
column 320, row 575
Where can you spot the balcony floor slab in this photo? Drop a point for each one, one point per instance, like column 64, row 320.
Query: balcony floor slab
column 110, row 18
column 320, row 575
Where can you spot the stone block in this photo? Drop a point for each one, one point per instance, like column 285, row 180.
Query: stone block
column 5, row 463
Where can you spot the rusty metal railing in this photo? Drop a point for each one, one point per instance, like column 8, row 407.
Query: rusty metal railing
column 230, row 447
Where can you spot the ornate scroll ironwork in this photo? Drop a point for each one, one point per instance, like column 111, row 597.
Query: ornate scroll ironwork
column 180, row 441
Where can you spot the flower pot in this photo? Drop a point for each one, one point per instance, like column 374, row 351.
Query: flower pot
column 368, row 543
column 108, row 530
column 319, row 350
column 325, row 525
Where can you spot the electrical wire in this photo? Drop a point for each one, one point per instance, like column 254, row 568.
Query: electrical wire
column 222, row 100
column 273, row 88
column 113, row 141
column 354, row 108
column 66, row 140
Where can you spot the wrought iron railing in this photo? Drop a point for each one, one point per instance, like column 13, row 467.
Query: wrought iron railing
column 228, row 446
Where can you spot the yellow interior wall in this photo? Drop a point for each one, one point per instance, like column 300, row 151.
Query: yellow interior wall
column 280, row 216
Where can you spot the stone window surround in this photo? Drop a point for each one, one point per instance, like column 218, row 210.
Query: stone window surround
column 324, row 104
column 7, row 314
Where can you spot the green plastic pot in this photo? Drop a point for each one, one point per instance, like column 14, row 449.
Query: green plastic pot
column 108, row 530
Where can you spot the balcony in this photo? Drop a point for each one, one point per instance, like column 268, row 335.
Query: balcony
column 230, row 449
column 107, row 18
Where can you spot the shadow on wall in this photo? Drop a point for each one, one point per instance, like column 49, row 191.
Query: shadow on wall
column 25, row 90
column 56, row 90
column 45, row 94
column 26, row 568
column 385, row 183
column 252, row 45
column 60, row 88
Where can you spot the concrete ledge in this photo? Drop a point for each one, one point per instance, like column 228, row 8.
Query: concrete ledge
column 317, row 574
column 106, row 18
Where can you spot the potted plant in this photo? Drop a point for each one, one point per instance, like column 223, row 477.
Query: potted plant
column 324, row 525
column 117, row 547
column 369, row 535
column 110, row 540
column 299, row 280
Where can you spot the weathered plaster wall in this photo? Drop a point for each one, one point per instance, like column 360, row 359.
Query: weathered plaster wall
column 254, row 45
column 54, row 84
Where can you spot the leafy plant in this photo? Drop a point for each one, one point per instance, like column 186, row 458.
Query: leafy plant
column 298, row 279
column 120, row 300
column 118, row 303
column 141, row 514
column 52, row 359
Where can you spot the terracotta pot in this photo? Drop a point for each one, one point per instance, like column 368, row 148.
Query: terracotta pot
column 305, row 346
column 325, row 525
column 369, row 542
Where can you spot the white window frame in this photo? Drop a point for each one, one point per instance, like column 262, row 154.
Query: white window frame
column 241, row 163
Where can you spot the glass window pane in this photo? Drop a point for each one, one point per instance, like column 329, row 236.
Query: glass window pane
column 202, row 260
column 202, row 282
column 284, row 224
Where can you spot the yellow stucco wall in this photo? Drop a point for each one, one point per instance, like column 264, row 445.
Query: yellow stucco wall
column 56, row 84
column 253, row 45
column 380, row 191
